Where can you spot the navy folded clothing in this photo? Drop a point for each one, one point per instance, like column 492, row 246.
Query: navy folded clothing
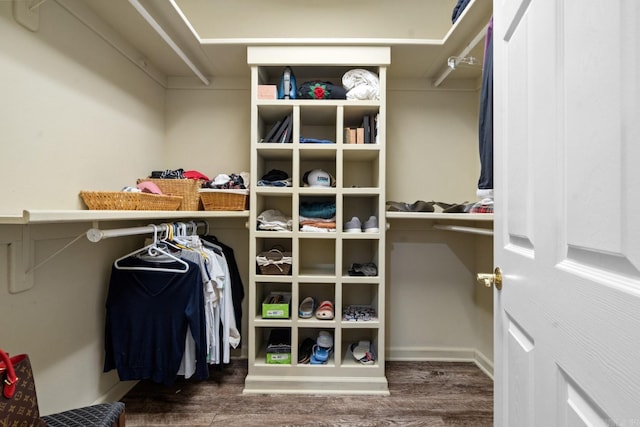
column 323, row 210
column 275, row 175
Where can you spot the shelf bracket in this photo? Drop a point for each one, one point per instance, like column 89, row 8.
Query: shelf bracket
column 21, row 256
column 27, row 13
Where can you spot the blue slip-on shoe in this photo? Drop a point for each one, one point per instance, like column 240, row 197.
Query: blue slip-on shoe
column 307, row 308
column 320, row 354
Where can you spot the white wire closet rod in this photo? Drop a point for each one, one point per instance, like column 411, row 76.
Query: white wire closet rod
column 95, row 234
column 462, row 229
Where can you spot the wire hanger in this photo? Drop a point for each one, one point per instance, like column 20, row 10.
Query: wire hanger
column 153, row 250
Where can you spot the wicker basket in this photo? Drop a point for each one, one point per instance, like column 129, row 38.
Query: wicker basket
column 129, row 201
column 274, row 261
column 185, row 188
column 224, row 200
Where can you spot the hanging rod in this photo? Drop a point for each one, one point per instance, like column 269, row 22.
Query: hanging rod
column 95, row 234
column 454, row 61
column 481, row 35
column 168, row 40
column 459, row 228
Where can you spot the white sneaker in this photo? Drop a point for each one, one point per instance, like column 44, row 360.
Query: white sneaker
column 371, row 225
column 353, row 226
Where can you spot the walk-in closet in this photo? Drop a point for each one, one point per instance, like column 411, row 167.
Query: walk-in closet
column 98, row 94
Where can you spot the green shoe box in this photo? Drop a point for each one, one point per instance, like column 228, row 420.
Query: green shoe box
column 281, row 310
column 279, row 358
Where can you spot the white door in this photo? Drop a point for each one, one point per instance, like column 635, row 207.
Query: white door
column 567, row 221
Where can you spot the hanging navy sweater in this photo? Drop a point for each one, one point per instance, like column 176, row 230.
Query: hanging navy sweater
column 148, row 313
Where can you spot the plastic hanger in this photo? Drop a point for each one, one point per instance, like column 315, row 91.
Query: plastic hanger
column 153, row 250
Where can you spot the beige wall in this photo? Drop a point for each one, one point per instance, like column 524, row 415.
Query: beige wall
column 77, row 115
column 432, row 143
column 74, row 115
column 208, row 129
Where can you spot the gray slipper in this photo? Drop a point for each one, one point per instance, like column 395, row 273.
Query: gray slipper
column 453, row 207
column 397, row 207
column 421, row 206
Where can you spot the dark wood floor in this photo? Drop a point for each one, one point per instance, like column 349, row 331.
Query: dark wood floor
column 422, row 394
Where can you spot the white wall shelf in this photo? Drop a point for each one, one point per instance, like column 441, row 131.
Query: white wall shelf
column 58, row 216
column 441, row 216
column 471, row 223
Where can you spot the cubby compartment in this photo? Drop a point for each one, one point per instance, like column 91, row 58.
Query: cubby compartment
column 360, row 255
column 271, row 162
column 276, row 353
column 317, row 257
column 270, row 119
column 317, row 214
column 279, row 217
column 360, row 123
column 264, row 289
column 319, row 158
column 318, row 123
column 355, row 339
column 360, row 303
column 274, row 248
column 361, row 169
column 312, row 334
column 361, row 206
column 319, row 291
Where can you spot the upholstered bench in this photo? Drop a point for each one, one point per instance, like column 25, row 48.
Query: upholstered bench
column 101, row 415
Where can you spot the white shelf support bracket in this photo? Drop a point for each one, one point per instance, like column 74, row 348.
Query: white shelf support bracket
column 22, row 260
column 27, row 13
column 21, row 255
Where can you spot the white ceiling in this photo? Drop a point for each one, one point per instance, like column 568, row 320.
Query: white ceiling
column 214, row 34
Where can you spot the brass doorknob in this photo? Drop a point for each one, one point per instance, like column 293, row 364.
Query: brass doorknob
column 489, row 279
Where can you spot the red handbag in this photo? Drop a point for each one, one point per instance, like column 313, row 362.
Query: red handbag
column 18, row 400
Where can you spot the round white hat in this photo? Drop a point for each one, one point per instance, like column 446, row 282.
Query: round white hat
column 318, row 178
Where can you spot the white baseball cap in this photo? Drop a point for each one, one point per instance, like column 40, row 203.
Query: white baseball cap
column 318, row 178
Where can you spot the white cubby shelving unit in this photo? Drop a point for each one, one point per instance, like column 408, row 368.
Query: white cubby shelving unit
column 320, row 260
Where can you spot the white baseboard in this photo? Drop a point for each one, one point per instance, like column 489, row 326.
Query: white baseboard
column 484, row 363
column 116, row 392
column 442, row 354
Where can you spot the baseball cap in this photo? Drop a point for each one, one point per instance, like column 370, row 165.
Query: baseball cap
column 318, row 178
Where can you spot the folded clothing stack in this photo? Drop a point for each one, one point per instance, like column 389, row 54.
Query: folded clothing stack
column 274, row 220
column 361, row 84
column 318, row 216
column 275, row 178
